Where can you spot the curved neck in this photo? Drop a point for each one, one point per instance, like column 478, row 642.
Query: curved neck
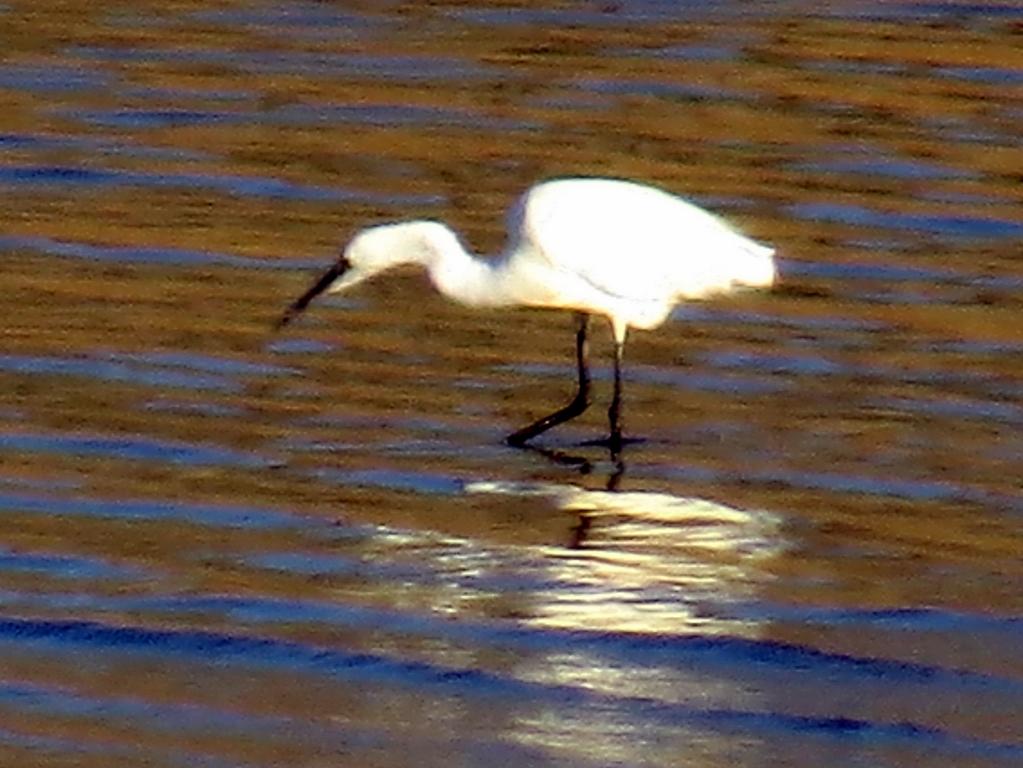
column 461, row 275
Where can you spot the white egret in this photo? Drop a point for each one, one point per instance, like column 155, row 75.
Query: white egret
column 596, row 246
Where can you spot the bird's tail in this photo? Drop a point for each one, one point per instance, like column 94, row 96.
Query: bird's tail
column 759, row 269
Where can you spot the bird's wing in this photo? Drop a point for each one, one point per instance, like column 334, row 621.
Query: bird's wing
column 631, row 241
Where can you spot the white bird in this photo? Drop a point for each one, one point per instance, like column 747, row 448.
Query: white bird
column 609, row 247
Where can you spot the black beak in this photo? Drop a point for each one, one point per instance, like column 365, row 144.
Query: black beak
column 322, row 283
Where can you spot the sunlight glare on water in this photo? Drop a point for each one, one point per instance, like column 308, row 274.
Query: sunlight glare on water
column 221, row 546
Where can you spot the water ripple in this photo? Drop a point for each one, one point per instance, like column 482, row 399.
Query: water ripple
column 179, row 257
column 388, row 67
column 52, row 79
column 108, row 370
column 207, row 515
column 66, row 566
column 482, row 686
column 966, row 227
column 130, row 448
column 239, row 186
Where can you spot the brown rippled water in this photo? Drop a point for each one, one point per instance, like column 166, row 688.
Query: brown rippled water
column 222, row 546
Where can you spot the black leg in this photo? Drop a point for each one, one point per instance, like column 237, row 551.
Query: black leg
column 614, row 413
column 579, row 404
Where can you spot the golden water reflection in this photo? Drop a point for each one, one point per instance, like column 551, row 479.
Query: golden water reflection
column 646, row 562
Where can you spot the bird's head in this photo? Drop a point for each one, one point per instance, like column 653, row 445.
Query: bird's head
column 370, row 252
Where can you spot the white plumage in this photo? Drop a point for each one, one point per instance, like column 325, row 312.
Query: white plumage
column 596, row 246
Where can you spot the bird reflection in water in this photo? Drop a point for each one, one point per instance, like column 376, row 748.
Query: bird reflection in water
column 647, row 561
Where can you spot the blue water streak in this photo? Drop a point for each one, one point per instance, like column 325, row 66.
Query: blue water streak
column 476, row 685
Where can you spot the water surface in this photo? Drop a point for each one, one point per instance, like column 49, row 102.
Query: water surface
column 221, row 546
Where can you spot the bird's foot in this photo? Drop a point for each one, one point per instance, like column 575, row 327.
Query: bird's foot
column 584, row 465
column 612, row 443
